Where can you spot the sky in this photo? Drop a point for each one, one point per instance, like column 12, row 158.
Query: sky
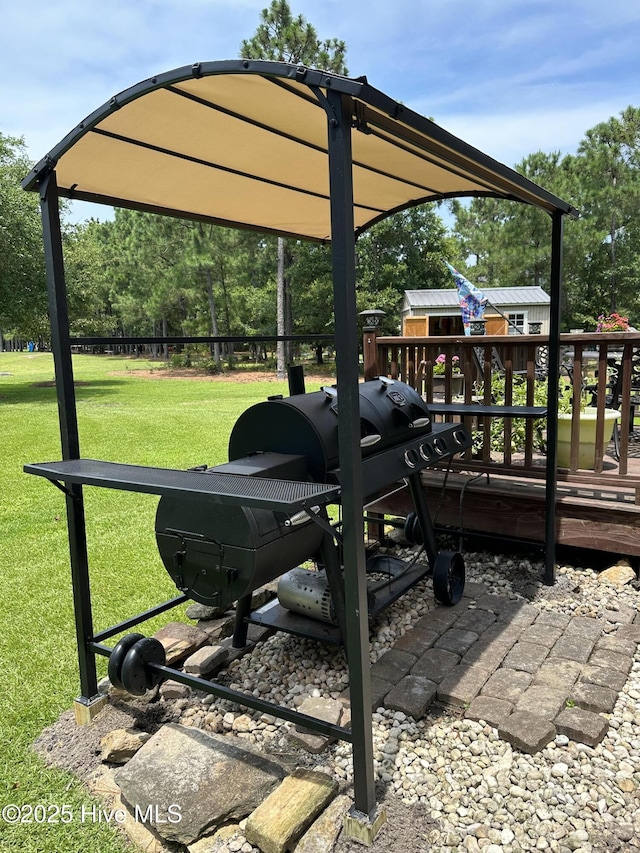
column 507, row 76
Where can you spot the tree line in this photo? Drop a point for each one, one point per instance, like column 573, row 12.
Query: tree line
column 146, row 275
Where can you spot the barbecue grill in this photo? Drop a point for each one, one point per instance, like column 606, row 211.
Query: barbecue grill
column 220, row 554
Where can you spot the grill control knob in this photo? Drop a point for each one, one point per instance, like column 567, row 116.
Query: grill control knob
column 459, row 436
column 426, row 452
column 440, row 446
column 410, row 458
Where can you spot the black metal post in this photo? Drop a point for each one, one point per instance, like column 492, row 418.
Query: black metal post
column 346, row 337
column 552, row 397
column 424, row 518
column 59, row 319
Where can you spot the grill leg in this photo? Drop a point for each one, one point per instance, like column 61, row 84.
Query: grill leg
column 424, row 519
column 329, row 556
column 241, row 626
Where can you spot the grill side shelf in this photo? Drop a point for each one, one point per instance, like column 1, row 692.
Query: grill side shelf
column 257, row 492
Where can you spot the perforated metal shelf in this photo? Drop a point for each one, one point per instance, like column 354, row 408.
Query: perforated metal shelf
column 257, row 492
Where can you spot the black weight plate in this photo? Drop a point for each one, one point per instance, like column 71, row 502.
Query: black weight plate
column 448, row 577
column 118, row 655
column 136, row 677
column 412, row 528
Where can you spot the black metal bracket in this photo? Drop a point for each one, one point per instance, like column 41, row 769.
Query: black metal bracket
column 317, row 518
column 326, row 105
column 65, row 490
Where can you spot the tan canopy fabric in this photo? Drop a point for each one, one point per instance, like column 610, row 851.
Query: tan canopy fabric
column 245, row 144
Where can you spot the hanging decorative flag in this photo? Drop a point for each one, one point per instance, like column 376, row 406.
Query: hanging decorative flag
column 472, row 299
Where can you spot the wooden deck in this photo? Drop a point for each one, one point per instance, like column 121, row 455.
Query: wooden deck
column 600, row 518
column 501, row 492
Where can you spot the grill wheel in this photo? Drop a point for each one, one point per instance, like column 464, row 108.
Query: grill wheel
column 448, row 577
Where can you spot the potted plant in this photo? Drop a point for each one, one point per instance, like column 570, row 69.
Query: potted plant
column 612, row 323
column 439, row 371
column 587, row 434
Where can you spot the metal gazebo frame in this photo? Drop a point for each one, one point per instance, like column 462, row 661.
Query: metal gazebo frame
column 291, row 151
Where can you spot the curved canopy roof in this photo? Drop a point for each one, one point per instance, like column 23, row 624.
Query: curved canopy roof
column 244, row 143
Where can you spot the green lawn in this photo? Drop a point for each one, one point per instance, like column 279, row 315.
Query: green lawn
column 168, row 422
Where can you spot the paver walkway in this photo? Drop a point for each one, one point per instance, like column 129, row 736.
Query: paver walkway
column 531, row 673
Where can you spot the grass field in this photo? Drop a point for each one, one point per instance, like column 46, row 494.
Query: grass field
column 126, row 414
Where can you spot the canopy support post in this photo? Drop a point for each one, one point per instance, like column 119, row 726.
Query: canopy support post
column 553, row 380
column 338, row 109
column 60, row 344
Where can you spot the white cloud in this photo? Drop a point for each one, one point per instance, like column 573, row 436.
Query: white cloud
column 510, row 137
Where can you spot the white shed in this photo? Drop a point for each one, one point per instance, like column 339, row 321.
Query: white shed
column 437, row 312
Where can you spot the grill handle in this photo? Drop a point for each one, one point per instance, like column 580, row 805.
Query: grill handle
column 369, row 440
column 419, row 423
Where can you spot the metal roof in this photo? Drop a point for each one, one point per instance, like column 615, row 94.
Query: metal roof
column 498, row 296
column 244, row 143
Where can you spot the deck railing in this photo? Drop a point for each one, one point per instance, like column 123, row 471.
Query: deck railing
column 511, row 370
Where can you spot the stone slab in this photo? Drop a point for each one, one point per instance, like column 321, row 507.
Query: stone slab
column 206, row 659
column 558, row 673
column 413, row 695
column 180, row 640
column 456, row 640
column 311, row 742
column 119, row 745
column 379, row 689
column 584, row 626
column 623, row 615
column 461, row 685
column 416, row 641
column 323, row 832
column 572, row 648
column 542, row 701
column 618, row 575
column 550, row 617
column 603, row 677
column 582, row 726
column 592, row 697
column 526, row 656
column 473, row 590
column 475, row 619
column 322, row 708
column 174, row 690
column 507, row 684
column 611, row 660
column 492, row 602
column 393, row 665
column 502, row 633
column 630, row 632
column 517, row 613
column 487, row 655
column 439, row 619
column 205, row 612
column 615, row 644
column 218, row 629
column 526, row 731
column 212, row 778
column 278, row 822
column 434, row 664
column 490, row 709
column 541, row 634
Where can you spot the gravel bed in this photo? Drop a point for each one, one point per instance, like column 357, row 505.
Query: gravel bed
column 471, row 789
